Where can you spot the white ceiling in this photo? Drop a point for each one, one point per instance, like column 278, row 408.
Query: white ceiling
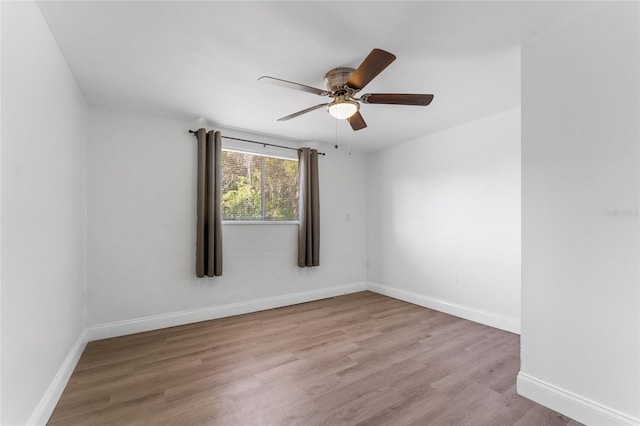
column 201, row 60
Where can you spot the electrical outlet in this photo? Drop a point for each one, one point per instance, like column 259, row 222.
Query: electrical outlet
column 454, row 277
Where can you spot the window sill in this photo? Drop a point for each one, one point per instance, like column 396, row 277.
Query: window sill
column 260, row 222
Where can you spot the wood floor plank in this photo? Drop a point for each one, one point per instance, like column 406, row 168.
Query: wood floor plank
column 358, row 359
column 541, row 416
column 412, row 407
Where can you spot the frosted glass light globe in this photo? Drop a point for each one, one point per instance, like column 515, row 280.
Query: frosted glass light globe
column 343, row 109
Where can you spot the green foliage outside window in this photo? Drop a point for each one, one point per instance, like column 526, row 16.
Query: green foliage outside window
column 258, row 188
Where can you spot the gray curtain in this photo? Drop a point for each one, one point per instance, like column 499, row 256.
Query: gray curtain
column 309, row 207
column 209, row 220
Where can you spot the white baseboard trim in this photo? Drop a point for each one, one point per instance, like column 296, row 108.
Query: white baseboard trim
column 139, row 325
column 48, row 402
column 577, row 407
column 477, row 315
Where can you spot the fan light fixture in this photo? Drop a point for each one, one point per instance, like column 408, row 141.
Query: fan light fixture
column 343, row 109
column 343, row 84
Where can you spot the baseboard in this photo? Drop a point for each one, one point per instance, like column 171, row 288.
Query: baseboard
column 477, row 315
column 577, row 407
column 139, row 325
column 48, row 402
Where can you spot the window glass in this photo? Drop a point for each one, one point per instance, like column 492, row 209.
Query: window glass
column 259, row 188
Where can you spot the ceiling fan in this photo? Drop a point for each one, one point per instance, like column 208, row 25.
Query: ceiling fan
column 344, row 83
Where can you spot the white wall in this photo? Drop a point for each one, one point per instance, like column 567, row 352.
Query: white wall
column 141, row 244
column 580, row 262
column 44, row 125
column 450, row 202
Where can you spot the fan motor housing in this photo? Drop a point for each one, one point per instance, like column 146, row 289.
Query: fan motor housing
column 336, row 80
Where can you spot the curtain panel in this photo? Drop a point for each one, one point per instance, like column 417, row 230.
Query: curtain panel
column 309, row 208
column 209, row 212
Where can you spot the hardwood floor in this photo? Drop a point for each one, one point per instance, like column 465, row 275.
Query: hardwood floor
column 359, row 359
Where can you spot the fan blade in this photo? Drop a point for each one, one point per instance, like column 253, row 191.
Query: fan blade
column 397, row 99
column 357, row 122
column 292, row 85
column 304, row 111
column 373, row 65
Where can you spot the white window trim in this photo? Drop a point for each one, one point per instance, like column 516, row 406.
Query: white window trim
column 260, row 222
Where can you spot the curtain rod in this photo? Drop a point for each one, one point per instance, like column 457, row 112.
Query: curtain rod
column 259, row 143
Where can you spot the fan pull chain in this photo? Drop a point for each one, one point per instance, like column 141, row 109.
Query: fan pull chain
column 349, row 143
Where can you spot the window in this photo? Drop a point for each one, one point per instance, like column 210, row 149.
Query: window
column 258, row 188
